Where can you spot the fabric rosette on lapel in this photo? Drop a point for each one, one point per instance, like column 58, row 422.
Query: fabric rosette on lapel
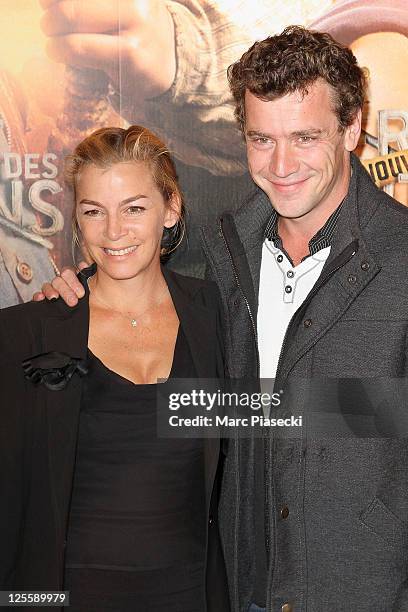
column 53, row 370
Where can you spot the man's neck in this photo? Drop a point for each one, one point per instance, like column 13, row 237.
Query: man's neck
column 296, row 245
column 296, row 234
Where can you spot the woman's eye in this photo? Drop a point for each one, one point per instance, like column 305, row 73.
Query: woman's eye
column 94, row 212
column 135, row 210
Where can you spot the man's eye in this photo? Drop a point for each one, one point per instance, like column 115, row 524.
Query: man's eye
column 306, row 139
column 260, row 141
column 135, row 210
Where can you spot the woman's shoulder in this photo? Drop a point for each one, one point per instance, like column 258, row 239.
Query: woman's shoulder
column 20, row 313
column 29, row 312
column 21, row 325
column 17, row 329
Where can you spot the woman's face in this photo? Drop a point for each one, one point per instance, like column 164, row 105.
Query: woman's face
column 121, row 215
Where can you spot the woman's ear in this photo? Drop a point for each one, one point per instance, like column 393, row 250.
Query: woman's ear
column 173, row 210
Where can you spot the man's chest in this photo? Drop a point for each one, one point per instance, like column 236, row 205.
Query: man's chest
column 283, row 288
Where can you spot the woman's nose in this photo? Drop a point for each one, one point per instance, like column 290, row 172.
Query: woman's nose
column 115, row 228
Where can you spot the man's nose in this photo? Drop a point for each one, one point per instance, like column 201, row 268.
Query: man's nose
column 283, row 160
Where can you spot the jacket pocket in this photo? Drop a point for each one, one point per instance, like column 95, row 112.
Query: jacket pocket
column 380, row 520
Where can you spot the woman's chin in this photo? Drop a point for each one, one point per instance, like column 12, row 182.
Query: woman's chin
column 124, row 270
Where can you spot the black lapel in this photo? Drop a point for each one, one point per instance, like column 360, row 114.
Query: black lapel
column 197, row 321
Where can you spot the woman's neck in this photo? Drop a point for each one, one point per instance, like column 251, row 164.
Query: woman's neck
column 128, row 295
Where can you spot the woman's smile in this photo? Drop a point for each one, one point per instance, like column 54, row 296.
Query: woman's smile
column 120, row 252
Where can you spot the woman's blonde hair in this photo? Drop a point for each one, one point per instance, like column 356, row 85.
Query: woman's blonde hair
column 113, row 145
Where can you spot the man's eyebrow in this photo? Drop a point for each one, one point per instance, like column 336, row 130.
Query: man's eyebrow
column 308, row 132
column 297, row 133
column 126, row 201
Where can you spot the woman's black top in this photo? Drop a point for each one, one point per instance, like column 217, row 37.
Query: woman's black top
column 137, row 527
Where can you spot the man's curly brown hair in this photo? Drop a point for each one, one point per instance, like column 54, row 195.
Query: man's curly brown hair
column 292, row 61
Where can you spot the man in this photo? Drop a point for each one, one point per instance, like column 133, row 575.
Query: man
column 312, row 270
column 310, row 290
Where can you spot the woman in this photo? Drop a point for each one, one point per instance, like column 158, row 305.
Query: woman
column 93, row 501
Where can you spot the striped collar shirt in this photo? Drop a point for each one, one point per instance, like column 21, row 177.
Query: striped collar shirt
column 322, row 239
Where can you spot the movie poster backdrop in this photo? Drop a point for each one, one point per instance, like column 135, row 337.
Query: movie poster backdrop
column 71, row 66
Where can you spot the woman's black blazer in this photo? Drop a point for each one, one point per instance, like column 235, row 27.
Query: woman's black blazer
column 39, row 426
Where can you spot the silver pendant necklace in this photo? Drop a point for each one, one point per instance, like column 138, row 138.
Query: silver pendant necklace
column 133, row 321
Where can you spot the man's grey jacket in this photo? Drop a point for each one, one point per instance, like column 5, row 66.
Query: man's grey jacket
column 343, row 545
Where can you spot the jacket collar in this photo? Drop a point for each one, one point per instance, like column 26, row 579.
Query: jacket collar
column 243, row 233
column 360, row 204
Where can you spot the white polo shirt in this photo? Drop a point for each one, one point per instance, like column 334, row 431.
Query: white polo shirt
column 282, row 289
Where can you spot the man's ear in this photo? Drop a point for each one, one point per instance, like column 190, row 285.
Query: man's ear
column 173, row 210
column 352, row 132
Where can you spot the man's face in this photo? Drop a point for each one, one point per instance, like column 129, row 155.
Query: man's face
column 297, row 155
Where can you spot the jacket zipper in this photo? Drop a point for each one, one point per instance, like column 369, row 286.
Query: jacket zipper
column 243, row 295
column 236, row 592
